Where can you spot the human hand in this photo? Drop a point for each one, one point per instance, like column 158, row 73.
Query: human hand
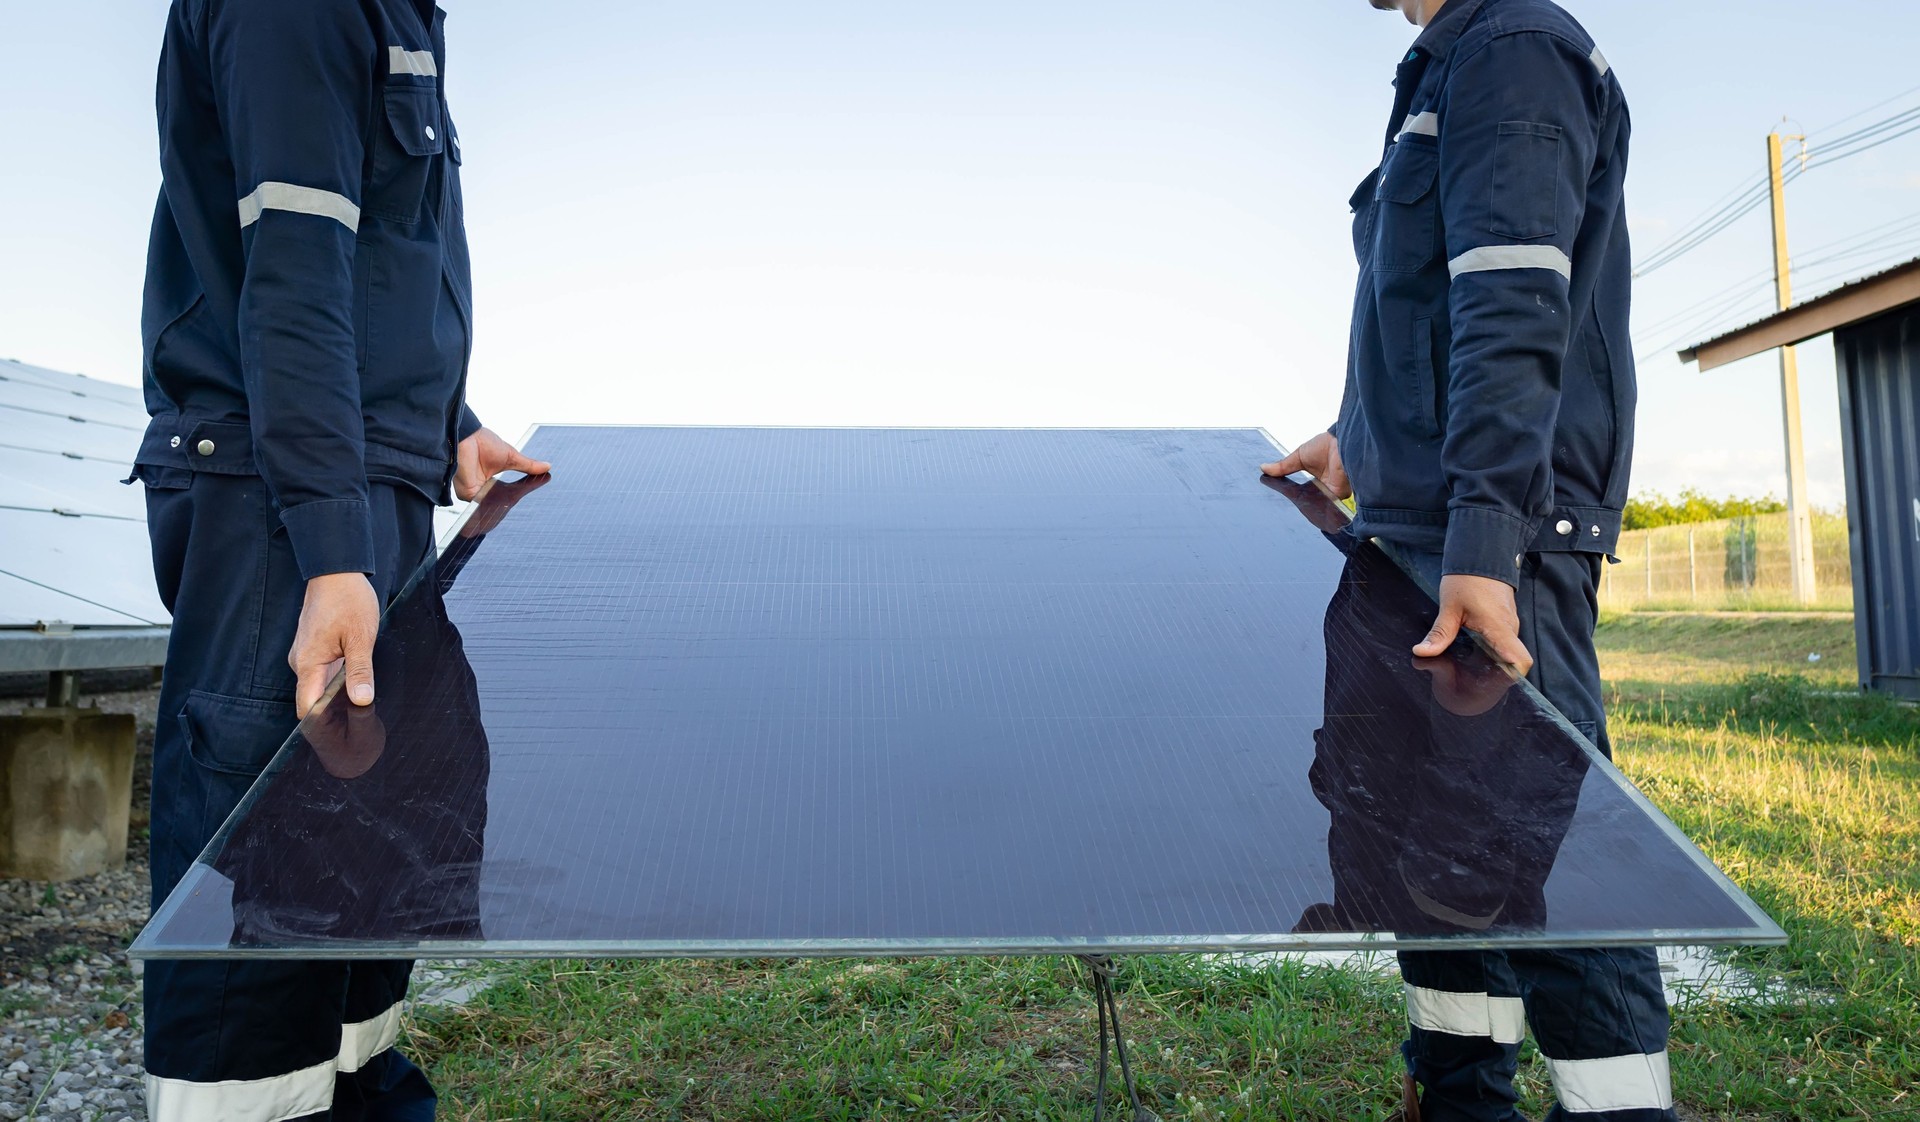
column 1320, row 458
column 1483, row 605
column 339, row 622
column 484, row 455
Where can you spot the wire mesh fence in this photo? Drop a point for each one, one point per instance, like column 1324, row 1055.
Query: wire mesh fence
column 1731, row 564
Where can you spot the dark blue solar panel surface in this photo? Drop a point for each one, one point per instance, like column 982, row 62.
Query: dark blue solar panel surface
column 779, row 691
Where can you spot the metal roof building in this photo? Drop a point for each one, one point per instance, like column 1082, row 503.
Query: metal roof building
column 76, row 575
column 1875, row 324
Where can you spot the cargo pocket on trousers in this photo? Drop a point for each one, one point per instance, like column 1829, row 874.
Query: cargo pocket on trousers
column 231, row 740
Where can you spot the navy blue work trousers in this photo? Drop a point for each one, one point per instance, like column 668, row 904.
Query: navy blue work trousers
column 1598, row 1015
column 236, row 1040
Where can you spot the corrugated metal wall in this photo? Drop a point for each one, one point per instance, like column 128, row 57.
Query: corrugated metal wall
column 1880, row 420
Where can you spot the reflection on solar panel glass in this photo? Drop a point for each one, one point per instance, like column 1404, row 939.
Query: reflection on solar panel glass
column 735, row 691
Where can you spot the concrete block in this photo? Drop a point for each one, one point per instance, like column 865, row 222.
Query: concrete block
column 66, row 787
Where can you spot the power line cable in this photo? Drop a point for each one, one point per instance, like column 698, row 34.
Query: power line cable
column 1863, row 235
column 1744, row 286
column 1743, row 308
column 1824, row 160
column 1857, row 114
column 1876, row 128
column 1745, row 201
column 1878, row 246
column 1753, row 305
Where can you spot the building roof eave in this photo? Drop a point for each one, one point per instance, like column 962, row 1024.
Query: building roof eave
column 1849, row 304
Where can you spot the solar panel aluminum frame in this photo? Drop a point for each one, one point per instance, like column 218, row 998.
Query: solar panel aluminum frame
column 1760, row 929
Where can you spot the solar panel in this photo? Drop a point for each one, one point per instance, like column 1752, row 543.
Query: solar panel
column 741, row 692
column 75, row 554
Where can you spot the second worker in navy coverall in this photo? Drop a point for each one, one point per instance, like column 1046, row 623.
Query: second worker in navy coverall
column 307, row 325
column 1485, row 431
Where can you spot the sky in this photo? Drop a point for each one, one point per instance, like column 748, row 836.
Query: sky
column 1042, row 212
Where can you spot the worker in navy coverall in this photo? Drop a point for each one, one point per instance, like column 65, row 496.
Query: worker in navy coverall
column 1485, row 430
column 307, row 324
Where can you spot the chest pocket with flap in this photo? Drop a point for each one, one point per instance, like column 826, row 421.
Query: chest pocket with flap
column 404, row 151
column 1407, row 208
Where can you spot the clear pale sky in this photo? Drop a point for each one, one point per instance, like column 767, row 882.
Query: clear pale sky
column 997, row 212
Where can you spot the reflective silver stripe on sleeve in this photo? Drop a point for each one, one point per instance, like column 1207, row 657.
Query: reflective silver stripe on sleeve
column 363, row 1041
column 1502, row 1019
column 1599, row 62
column 294, row 1095
column 403, row 61
column 1420, row 124
column 299, row 200
column 1493, row 258
column 1616, row 1083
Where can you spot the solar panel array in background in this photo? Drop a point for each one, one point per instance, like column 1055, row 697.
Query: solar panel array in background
column 75, row 539
column 735, row 691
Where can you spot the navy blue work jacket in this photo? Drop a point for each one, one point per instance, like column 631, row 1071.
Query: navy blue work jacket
column 1490, row 388
column 308, row 307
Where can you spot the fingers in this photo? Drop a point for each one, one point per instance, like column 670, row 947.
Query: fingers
column 1487, row 606
column 1509, row 649
column 1445, row 629
column 359, row 654
column 466, row 475
column 338, row 625
column 1334, row 478
column 311, row 683
column 1286, row 465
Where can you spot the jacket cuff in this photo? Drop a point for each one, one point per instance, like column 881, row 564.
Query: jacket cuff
column 469, row 424
column 1482, row 542
column 330, row 536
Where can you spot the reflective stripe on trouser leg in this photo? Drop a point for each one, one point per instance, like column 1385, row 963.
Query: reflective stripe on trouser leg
column 274, row 1098
column 1500, row 1019
column 1600, row 1017
column 281, row 1097
column 253, row 1040
column 363, row 1040
column 1464, row 1024
column 1612, row 1085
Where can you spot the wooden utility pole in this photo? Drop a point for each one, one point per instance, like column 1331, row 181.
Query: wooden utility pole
column 1799, row 514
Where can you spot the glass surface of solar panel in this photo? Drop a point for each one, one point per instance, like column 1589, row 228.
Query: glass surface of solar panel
column 736, row 692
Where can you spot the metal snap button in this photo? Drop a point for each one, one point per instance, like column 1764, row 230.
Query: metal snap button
column 1596, row 531
column 429, row 132
column 1563, row 527
column 174, row 443
column 1519, row 560
column 205, row 448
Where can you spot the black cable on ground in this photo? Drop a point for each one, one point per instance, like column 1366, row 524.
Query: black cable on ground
column 1101, row 967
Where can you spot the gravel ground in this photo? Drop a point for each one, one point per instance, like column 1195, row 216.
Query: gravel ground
column 69, row 998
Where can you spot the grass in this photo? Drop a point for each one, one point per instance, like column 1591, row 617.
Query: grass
column 1809, row 796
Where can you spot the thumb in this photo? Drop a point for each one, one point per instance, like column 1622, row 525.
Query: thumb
column 519, row 461
column 1286, row 465
column 360, row 668
column 1446, row 628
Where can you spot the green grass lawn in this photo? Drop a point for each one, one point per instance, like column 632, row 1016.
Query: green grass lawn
column 1807, row 795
